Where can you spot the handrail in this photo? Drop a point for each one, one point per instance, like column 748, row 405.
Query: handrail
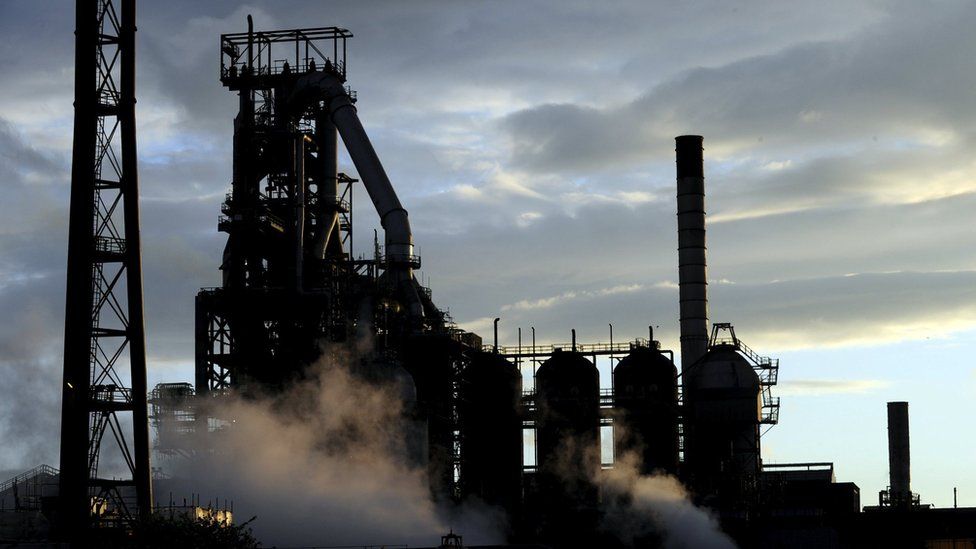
column 36, row 471
column 583, row 348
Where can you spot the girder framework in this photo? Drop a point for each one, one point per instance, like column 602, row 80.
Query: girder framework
column 104, row 388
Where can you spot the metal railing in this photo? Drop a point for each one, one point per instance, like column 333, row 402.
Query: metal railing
column 109, row 244
column 767, row 369
column 264, row 53
column 111, row 393
column 28, row 475
column 583, row 348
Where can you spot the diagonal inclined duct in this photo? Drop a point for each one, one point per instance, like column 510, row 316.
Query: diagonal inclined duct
column 692, row 278
column 396, row 226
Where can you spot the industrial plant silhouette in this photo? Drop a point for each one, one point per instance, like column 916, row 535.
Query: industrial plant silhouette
column 292, row 292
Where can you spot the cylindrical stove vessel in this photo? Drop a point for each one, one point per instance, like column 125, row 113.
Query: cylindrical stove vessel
column 646, row 402
column 899, row 454
column 491, row 430
column 568, row 401
column 692, row 279
column 568, row 447
column 722, row 411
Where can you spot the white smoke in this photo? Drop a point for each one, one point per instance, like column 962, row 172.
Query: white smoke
column 324, row 463
column 638, row 508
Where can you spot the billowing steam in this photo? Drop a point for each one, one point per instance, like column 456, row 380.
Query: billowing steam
column 649, row 511
column 324, row 464
column 329, row 462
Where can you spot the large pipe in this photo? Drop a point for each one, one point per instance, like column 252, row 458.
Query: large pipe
column 495, row 323
column 327, row 240
column 692, row 280
column 142, row 472
column 393, row 218
column 899, row 453
column 298, row 210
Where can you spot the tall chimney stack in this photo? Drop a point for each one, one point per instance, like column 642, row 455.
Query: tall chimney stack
column 899, row 454
column 692, row 281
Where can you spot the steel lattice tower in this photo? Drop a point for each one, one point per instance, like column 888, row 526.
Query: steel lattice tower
column 104, row 336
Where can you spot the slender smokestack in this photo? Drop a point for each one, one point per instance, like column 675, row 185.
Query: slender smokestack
column 692, row 282
column 899, row 454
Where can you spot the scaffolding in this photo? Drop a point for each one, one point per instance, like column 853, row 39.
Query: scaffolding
column 173, row 417
column 25, row 491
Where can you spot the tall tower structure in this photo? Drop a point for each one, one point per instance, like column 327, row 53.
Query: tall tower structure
column 291, row 286
column 105, row 480
column 692, row 278
column 292, row 289
column 287, row 269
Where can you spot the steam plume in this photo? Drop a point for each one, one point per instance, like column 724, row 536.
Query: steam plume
column 324, row 464
column 641, row 508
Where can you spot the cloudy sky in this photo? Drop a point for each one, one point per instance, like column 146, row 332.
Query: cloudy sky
column 532, row 143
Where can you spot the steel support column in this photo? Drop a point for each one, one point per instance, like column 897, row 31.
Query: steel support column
column 104, row 326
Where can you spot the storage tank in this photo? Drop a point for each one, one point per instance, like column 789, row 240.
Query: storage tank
column 723, row 408
column 645, row 401
column 568, row 421
column 491, row 430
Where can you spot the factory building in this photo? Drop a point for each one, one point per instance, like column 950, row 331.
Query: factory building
column 293, row 291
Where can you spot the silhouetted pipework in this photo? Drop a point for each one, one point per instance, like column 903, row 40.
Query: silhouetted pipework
column 104, row 326
column 692, row 275
column 289, row 280
column 291, row 285
column 645, row 399
column 491, row 431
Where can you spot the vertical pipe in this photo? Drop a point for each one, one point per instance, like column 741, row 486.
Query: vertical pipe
column 75, row 407
column 141, row 474
column 328, row 240
column 496, row 334
column 250, row 42
column 244, row 190
column 692, row 280
column 298, row 209
column 899, row 454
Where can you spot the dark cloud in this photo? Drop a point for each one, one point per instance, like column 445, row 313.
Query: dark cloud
column 887, row 82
